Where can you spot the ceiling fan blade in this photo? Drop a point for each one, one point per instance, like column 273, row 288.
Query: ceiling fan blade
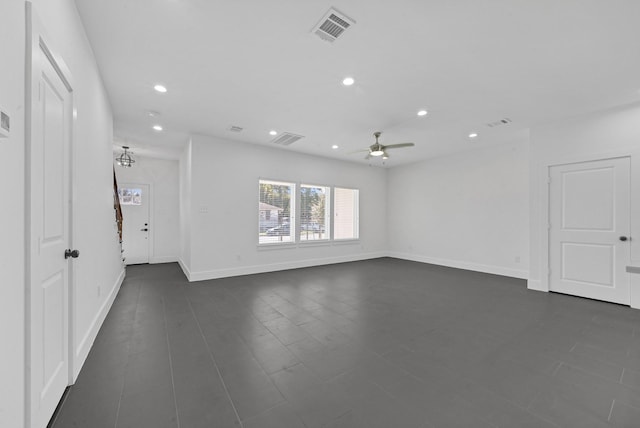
column 397, row 146
column 359, row 151
column 367, row 157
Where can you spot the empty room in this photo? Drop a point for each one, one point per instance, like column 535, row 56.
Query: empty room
column 306, row 214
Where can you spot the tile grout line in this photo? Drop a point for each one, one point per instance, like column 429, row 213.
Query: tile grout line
column 224, row 385
column 611, row 410
column 128, row 356
column 173, row 383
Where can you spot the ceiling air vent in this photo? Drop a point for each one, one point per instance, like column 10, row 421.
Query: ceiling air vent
column 286, row 139
column 332, row 25
column 234, row 128
column 500, row 122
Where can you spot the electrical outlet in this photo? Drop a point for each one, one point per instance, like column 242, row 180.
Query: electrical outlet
column 99, row 291
column 517, row 259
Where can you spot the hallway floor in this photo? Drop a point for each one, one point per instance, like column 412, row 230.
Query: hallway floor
column 379, row 343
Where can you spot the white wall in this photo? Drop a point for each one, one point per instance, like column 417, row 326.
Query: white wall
column 12, row 33
column 163, row 177
column 225, row 178
column 468, row 210
column 94, row 234
column 598, row 135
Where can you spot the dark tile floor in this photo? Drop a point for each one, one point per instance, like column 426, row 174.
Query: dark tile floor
column 379, row 343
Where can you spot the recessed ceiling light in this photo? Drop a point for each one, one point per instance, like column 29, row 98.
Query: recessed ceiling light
column 348, row 81
column 160, row 88
column 272, row 132
column 153, row 113
column 335, row 146
column 422, row 113
column 157, row 127
column 473, row 135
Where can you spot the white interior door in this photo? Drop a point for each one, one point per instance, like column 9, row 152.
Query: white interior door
column 589, row 229
column 50, row 119
column 135, row 200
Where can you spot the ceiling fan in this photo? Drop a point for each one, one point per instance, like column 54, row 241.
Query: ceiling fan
column 377, row 149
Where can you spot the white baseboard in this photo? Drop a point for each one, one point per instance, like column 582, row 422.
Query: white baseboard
column 536, row 284
column 477, row 267
column 82, row 350
column 272, row 267
column 185, row 269
column 163, row 259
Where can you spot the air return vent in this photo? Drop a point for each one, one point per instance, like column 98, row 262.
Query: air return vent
column 234, row 128
column 500, row 122
column 332, row 25
column 286, row 139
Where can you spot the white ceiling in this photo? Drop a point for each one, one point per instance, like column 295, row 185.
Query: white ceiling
column 255, row 64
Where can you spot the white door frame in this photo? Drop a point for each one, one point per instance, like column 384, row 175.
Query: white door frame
column 544, row 203
column 38, row 41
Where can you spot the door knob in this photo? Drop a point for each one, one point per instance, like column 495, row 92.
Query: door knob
column 71, row 253
column 623, row 238
column 144, row 230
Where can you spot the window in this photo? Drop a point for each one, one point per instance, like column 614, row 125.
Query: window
column 345, row 213
column 314, row 213
column 130, row 196
column 280, row 222
column 276, row 209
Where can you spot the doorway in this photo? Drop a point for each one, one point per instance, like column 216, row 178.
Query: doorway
column 49, row 119
column 135, row 200
column 589, row 242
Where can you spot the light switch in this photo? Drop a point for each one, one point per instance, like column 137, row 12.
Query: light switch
column 5, row 125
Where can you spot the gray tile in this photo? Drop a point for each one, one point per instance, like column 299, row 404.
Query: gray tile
column 145, row 371
column 510, row 380
column 314, row 402
column 285, row 330
column 377, row 409
column 497, row 410
column 364, row 344
column 88, row 407
column 251, row 391
column 554, row 407
column 613, row 390
column 281, row 416
column 272, row 355
column 631, row 378
column 154, row 408
column 624, row 416
column 205, row 407
column 426, row 398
